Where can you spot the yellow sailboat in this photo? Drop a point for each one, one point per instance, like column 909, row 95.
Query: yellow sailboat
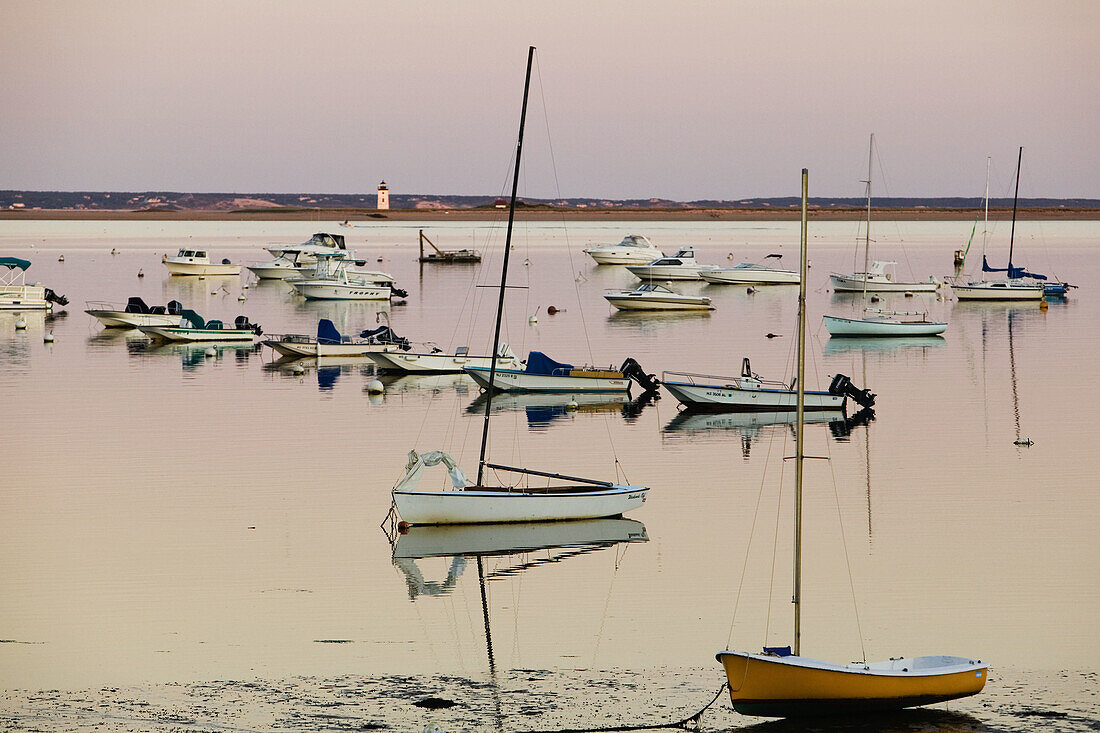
column 780, row 683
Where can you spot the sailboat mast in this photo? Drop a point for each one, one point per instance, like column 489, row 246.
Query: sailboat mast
column 504, row 271
column 867, row 234
column 800, row 421
column 1015, row 196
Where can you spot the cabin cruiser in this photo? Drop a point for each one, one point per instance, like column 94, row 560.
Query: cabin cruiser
column 320, row 242
column 15, row 294
column 135, row 313
column 650, row 296
column 291, row 263
column 634, row 249
column 197, row 262
column 751, row 273
column 681, row 266
column 333, row 279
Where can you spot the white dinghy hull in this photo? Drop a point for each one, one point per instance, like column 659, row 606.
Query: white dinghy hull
column 474, row 506
column 508, row 380
column 875, row 327
column 725, row 397
column 438, row 363
column 999, row 290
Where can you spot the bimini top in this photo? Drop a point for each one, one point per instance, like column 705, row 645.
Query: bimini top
column 540, row 363
column 13, row 262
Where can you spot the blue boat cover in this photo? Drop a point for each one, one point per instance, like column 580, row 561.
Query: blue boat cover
column 326, row 332
column 1013, row 272
column 12, row 262
column 540, row 363
column 779, row 651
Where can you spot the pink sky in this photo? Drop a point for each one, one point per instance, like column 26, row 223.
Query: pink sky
column 683, row 100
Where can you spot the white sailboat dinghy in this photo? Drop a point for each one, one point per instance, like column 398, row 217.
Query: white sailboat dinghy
column 481, row 502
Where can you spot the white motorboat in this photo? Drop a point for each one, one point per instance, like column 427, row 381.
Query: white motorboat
column 197, row 262
column 650, row 296
column 321, row 242
column 634, row 249
column 681, row 266
column 543, row 374
column 439, row 361
column 1012, row 287
column 752, row 393
column 329, row 342
column 748, row 273
column 135, row 313
column 884, row 324
column 881, row 278
column 333, row 279
column 193, row 328
column 15, row 294
column 518, row 500
column 878, row 278
column 291, row 263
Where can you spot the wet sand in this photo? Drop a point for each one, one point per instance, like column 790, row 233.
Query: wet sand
column 364, row 216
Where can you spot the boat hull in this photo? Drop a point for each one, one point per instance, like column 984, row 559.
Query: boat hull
column 122, row 319
column 201, row 268
column 666, row 272
column 24, row 298
column 399, row 361
column 175, row 333
column 630, row 302
column 512, row 380
column 484, row 507
column 735, row 276
column 274, row 272
column 858, row 327
column 485, row 539
column 610, row 257
column 998, row 291
column 722, row 397
column 796, row 686
column 333, row 290
column 848, row 284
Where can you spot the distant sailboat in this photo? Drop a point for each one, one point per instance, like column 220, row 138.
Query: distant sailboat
column 778, row 682
column 481, row 502
column 876, row 278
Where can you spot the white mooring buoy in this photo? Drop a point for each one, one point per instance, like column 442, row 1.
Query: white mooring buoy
column 298, row 369
column 376, row 387
column 48, row 338
column 211, row 351
column 20, row 324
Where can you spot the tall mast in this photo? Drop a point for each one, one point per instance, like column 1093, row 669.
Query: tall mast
column 1015, row 196
column 800, row 421
column 504, row 270
column 867, row 234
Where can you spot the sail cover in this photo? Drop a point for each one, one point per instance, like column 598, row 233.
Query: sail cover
column 540, row 363
column 1013, row 272
column 416, row 464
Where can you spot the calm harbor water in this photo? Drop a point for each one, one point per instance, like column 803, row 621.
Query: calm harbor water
column 192, row 543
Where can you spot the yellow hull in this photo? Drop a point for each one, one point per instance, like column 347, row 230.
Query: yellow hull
column 790, row 686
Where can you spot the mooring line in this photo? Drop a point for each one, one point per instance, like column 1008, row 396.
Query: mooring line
column 690, row 721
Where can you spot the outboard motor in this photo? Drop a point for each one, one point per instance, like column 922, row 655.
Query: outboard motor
column 632, row 369
column 225, row 261
column 242, row 324
column 842, row 385
column 842, row 429
column 53, row 297
column 398, row 292
column 136, row 305
column 174, row 307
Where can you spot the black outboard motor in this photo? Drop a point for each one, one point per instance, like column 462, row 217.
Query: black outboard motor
column 242, row 324
column 398, row 292
column 225, row 261
column 842, row 385
column 53, row 297
column 632, row 369
column 174, row 307
column 135, row 304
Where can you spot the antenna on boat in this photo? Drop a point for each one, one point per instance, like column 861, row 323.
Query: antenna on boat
column 504, row 271
column 800, row 417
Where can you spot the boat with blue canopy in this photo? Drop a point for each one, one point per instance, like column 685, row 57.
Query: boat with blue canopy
column 330, row 342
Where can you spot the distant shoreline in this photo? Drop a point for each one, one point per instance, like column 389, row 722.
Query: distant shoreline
column 361, row 216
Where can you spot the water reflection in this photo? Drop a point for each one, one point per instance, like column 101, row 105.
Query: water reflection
column 751, row 427
column 904, row 721
column 349, row 316
column 545, row 408
column 848, row 345
column 460, row 383
column 192, row 355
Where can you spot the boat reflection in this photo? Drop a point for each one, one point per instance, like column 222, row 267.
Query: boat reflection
column 753, row 426
column 847, row 345
column 191, row 354
column 902, row 721
column 328, row 369
column 554, row 541
column 545, row 408
column 432, row 382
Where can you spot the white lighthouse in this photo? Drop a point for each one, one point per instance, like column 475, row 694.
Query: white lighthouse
column 383, row 196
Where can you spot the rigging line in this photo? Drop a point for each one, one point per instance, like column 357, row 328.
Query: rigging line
column 752, row 532
column 897, row 227
column 692, row 720
column 843, row 538
column 775, row 545
column 569, row 251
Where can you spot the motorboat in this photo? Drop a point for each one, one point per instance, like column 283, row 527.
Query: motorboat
column 681, row 266
column 333, row 279
column 197, row 262
column 650, row 296
column 193, row 328
column 330, row 342
column 634, row 249
column 439, row 361
column 135, row 313
column 881, row 277
column 291, row 263
column 749, row 273
column 543, row 374
column 15, row 294
column 321, row 242
column 752, row 393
